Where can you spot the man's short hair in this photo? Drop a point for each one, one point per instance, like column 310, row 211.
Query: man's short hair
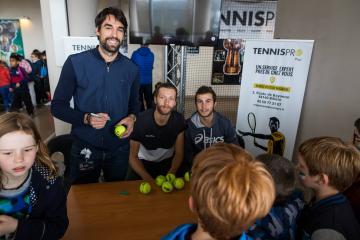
column 204, row 90
column 163, row 85
column 117, row 13
column 283, row 173
column 230, row 190
column 340, row 161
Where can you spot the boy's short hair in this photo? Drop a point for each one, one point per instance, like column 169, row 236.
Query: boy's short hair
column 340, row 161
column 283, row 173
column 230, row 190
column 204, row 90
column 15, row 56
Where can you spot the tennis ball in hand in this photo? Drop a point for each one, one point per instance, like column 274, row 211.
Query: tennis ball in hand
column 160, row 180
column 119, row 130
column 167, row 187
column 187, row 176
column 179, row 183
column 145, row 188
column 170, row 177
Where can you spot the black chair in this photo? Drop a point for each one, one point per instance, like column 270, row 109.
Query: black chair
column 62, row 144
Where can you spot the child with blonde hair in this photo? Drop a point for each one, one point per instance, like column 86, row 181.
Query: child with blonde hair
column 229, row 191
column 32, row 198
column 327, row 165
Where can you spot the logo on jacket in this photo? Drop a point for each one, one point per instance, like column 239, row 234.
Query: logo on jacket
column 86, row 152
column 207, row 140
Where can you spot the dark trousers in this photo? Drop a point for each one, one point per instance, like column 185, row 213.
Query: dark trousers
column 153, row 168
column 40, row 91
column 145, row 93
column 86, row 163
column 22, row 94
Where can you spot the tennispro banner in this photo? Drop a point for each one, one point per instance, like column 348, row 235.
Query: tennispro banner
column 271, row 95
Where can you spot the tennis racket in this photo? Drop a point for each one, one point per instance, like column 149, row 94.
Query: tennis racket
column 252, row 122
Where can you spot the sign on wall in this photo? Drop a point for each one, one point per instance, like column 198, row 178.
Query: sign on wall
column 239, row 21
column 271, row 94
column 74, row 45
column 10, row 38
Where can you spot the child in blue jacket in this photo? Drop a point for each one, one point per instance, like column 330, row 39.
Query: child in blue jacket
column 32, row 198
column 229, row 191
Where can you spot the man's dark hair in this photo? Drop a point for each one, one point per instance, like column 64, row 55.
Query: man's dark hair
column 163, row 85
column 357, row 124
column 204, row 90
column 117, row 13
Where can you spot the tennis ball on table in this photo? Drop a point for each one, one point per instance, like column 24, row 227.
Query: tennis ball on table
column 119, row 130
column 160, row 180
column 187, row 176
column 145, row 188
column 170, row 177
column 167, row 187
column 179, row 183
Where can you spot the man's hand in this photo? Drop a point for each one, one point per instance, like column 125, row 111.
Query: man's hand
column 98, row 121
column 129, row 122
column 7, row 224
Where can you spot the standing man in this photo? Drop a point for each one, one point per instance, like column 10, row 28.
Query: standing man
column 105, row 86
column 157, row 143
column 206, row 126
column 144, row 58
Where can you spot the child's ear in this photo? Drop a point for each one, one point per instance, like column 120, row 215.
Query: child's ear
column 191, row 204
column 323, row 179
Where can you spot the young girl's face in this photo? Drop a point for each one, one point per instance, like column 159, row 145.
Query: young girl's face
column 17, row 154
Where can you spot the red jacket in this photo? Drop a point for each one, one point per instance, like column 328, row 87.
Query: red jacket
column 4, row 76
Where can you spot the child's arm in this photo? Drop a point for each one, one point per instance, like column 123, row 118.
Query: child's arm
column 48, row 219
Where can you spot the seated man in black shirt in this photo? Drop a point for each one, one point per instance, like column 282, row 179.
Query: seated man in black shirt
column 157, row 142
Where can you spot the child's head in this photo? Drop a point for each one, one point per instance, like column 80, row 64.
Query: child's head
column 20, row 146
column 14, row 60
column 283, row 173
column 229, row 190
column 329, row 161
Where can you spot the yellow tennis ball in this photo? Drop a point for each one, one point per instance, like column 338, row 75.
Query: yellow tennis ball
column 179, row 183
column 160, row 180
column 170, row 177
column 187, row 176
column 145, row 188
column 167, row 187
column 119, row 130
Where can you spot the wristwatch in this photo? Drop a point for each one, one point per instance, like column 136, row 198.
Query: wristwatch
column 87, row 118
column 133, row 116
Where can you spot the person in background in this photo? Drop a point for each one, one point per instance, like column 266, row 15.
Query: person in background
column 105, row 87
column 5, row 85
column 144, row 59
column 328, row 166
column 38, row 83
column 229, row 190
column 19, row 86
column 32, row 197
column 280, row 223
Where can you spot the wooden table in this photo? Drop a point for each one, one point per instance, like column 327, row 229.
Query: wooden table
column 119, row 211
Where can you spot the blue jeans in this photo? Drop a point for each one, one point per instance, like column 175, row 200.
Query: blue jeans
column 5, row 93
column 87, row 161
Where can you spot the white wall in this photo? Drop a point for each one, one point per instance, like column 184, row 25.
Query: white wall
column 32, row 31
column 332, row 97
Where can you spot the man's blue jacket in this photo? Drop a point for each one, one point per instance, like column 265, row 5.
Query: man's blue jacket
column 96, row 86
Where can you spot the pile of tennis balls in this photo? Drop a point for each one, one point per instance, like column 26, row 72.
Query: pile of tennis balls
column 166, row 183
